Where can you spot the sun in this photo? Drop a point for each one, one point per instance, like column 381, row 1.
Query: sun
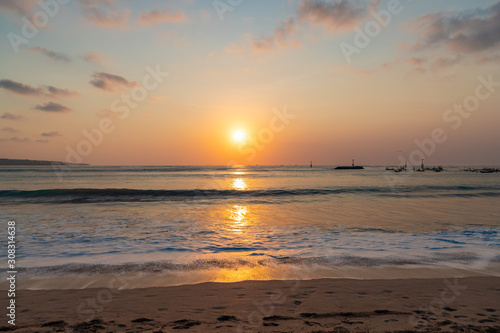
column 239, row 136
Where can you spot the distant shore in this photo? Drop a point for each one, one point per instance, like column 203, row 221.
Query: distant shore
column 8, row 161
column 325, row 305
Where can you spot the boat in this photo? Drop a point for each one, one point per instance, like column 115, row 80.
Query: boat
column 351, row 167
column 422, row 167
column 483, row 170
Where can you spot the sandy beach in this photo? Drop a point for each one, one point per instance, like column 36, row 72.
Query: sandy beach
column 325, row 305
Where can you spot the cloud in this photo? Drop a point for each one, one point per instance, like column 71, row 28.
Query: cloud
column 18, row 8
column 486, row 58
column 42, row 141
column 97, row 57
column 51, row 134
column 10, row 116
column 57, row 92
column 103, row 14
column 335, row 16
column 160, row 16
column 9, row 130
column 19, row 88
column 110, row 82
column 53, row 107
column 26, row 90
column 465, row 31
column 279, row 39
column 57, row 56
column 443, row 62
column 16, row 139
column 416, row 61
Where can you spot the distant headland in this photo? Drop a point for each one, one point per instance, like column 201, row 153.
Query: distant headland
column 8, row 161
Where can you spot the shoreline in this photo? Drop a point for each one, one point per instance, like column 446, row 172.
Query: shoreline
column 138, row 279
column 321, row 305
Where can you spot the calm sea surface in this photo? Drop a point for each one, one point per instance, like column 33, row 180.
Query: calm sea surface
column 178, row 225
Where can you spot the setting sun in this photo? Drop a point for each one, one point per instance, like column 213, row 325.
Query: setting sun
column 239, row 136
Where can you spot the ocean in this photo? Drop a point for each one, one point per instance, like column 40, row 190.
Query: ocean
column 177, row 225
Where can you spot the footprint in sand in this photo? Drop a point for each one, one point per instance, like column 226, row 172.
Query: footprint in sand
column 482, row 321
column 184, row 324
column 228, row 318
column 271, row 324
column 447, row 308
column 141, row 320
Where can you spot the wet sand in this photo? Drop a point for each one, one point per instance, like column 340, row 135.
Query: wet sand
column 325, row 305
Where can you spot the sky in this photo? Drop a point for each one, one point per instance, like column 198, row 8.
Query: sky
column 224, row 82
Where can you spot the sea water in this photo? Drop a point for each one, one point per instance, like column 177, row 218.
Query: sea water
column 187, row 224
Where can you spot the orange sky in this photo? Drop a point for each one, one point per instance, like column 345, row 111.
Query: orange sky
column 169, row 82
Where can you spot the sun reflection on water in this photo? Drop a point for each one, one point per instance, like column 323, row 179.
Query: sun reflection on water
column 238, row 213
column 240, row 184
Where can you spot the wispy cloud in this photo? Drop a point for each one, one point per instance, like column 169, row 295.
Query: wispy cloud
column 96, row 57
column 27, row 90
column 459, row 31
column 282, row 37
column 335, row 15
column 18, row 8
column 19, row 88
column 110, row 82
column 104, row 14
column 51, row 134
column 416, row 61
column 53, row 107
column 54, row 55
column 10, row 116
column 16, row 139
column 58, row 92
column 9, row 130
column 444, row 62
column 160, row 16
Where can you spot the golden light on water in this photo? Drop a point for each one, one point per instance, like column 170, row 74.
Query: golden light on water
column 238, row 213
column 239, row 184
column 247, row 273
